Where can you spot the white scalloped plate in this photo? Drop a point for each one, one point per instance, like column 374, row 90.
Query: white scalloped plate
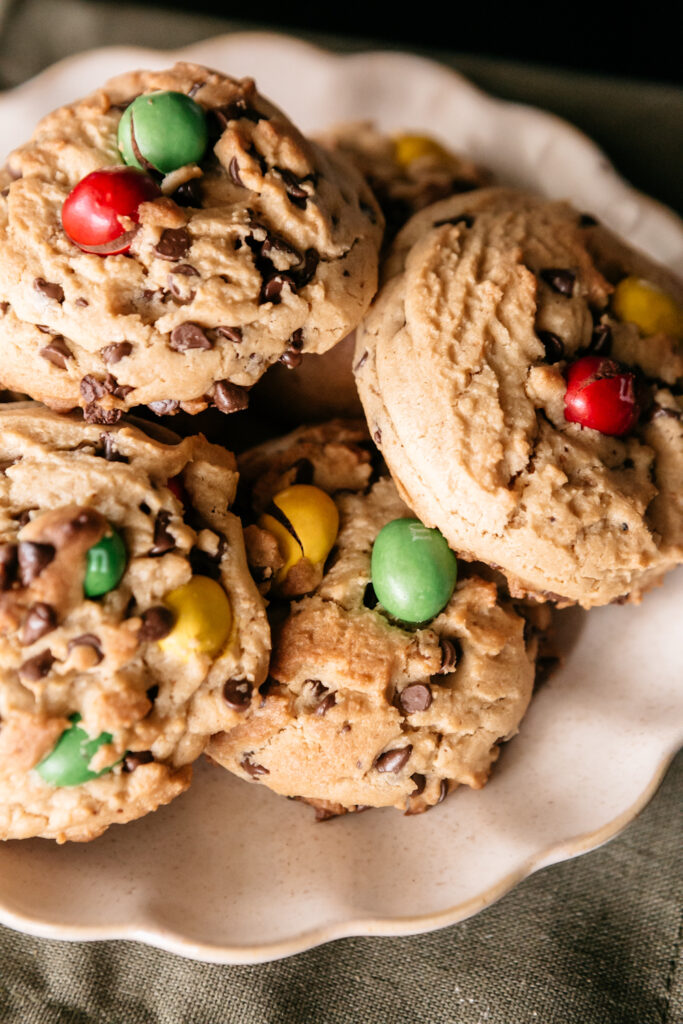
column 233, row 874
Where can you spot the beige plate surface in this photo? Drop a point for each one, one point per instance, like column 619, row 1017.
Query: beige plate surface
column 233, row 874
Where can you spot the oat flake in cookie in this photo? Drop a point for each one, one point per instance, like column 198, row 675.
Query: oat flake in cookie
column 508, row 327
column 360, row 710
column 126, row 608
column 264, row 249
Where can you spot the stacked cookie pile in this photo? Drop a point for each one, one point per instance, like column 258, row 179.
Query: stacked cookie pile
column 349, row 613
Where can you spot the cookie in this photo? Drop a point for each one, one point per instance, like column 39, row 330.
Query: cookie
column 360, row 709
column 406, row 172
column 521, row 372
column 126, row 610
column 260, row 249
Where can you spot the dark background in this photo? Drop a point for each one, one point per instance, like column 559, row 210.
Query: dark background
column 634, row 40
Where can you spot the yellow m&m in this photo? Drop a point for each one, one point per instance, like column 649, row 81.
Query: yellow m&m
column 203, row 619
column 652, row 310
column 305, row 522
column 408, row 148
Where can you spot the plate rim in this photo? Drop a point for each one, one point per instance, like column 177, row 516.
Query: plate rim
column 172, row 941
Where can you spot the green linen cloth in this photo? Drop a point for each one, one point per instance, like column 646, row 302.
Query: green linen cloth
column 596, row 940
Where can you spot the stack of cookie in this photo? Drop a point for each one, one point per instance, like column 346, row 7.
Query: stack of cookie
column 349, row 614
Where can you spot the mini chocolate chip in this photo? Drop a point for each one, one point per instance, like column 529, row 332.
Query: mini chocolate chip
column 292, row 357
column 94, row 413
column 152, row 693
column 115, row 352
column 662, row 411
column 420, row 783
column 189, row 194
column 157, row 622
column 272, row 289
column 4, row 306
column 37, row 667
column 173, row 244
column 189, row 335
column 443, row 791
column 229, row 397
column 91, row 388
column 185, row 270
column 587, row 220
column 624, row 527
column 41, row 619
column 370, row 597
column 325, row 704
column 553, row 345
column 310, row 264
column 81, row 302
column 464, row 218
column 163, row 540
column 293, row 188
column 253, row 769
column 57, row 353
column 377, row 437
column 87, row 640
column 237, row 694
column 416, row 697
column 393, row 760
column 560, row 280
column 109, row 448
column 362, row 361
column 49, row 289
column 8, row 565
column 235, row 111
column 165, row 407
column 234, row 172
column 33, row 558
column 233, row 334
column 135, row 758
column 601, row 340
column 451, row 653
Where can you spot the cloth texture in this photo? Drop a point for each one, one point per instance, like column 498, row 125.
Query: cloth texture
column 594, row 940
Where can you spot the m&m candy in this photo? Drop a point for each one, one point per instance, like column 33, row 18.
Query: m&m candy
column 652, row 310
column 105, row 565
column 203, row 619
column 413, row 570
column 601, row 394
column 96, row 214
column 305, row 522
column 161, row 131
column 68, row 762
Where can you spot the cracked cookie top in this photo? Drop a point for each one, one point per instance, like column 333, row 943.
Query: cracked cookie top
column 360, row 709
column 506, row 328
column 264, row 249
column 126, row 608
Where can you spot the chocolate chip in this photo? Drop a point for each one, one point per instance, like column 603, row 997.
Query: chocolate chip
column 416, row 697
column 310, row 265
column 91, row 388
column 173, row 244
column 292, row 357
column 4, row 306
column 189, row 335
column 420, row 783
column 370, row 597
column 163, row 540
column 49, row 289
column 115, row 352
column 185, row 270
column 37, row 667
column 463, row 218
column 235, row 111
column 662, row 411
column 325, row 704
column 189, row 194
column 272, row 288
column 41, row 619
column 87, row 640
column 601, row 340
column 135, row 758
column 553, row 345
column 237, row 694
column 362, row 361
column 109, row 448
column 233, row 334
column 157, row 622
column 377, row 437
column 81, row 302
column 57, row 353
column 229, row 397
column 8, row 565
column 451, row 653
column 165, row 407
column 253, row 769
column 195, row 89
column 33, row 558
column 443, row 791
column 94, row 413
column 297, row 195
column 234, row 171
column 560, row 280
column 587, row 220
column 393, row 760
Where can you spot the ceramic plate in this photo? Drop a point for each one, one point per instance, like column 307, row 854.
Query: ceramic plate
column 231, row 873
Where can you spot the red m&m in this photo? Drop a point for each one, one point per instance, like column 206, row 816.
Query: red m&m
column 601, row 394
column 95, row 211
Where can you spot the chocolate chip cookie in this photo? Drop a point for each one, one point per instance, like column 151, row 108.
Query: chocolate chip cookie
column 128, row 278
column 521, row 372
column 127, row 613
column 361, row 709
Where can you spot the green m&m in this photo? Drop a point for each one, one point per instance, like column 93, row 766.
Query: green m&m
column 162, row 131
column 68, row 763
column 105, row 565
column 413, row 570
